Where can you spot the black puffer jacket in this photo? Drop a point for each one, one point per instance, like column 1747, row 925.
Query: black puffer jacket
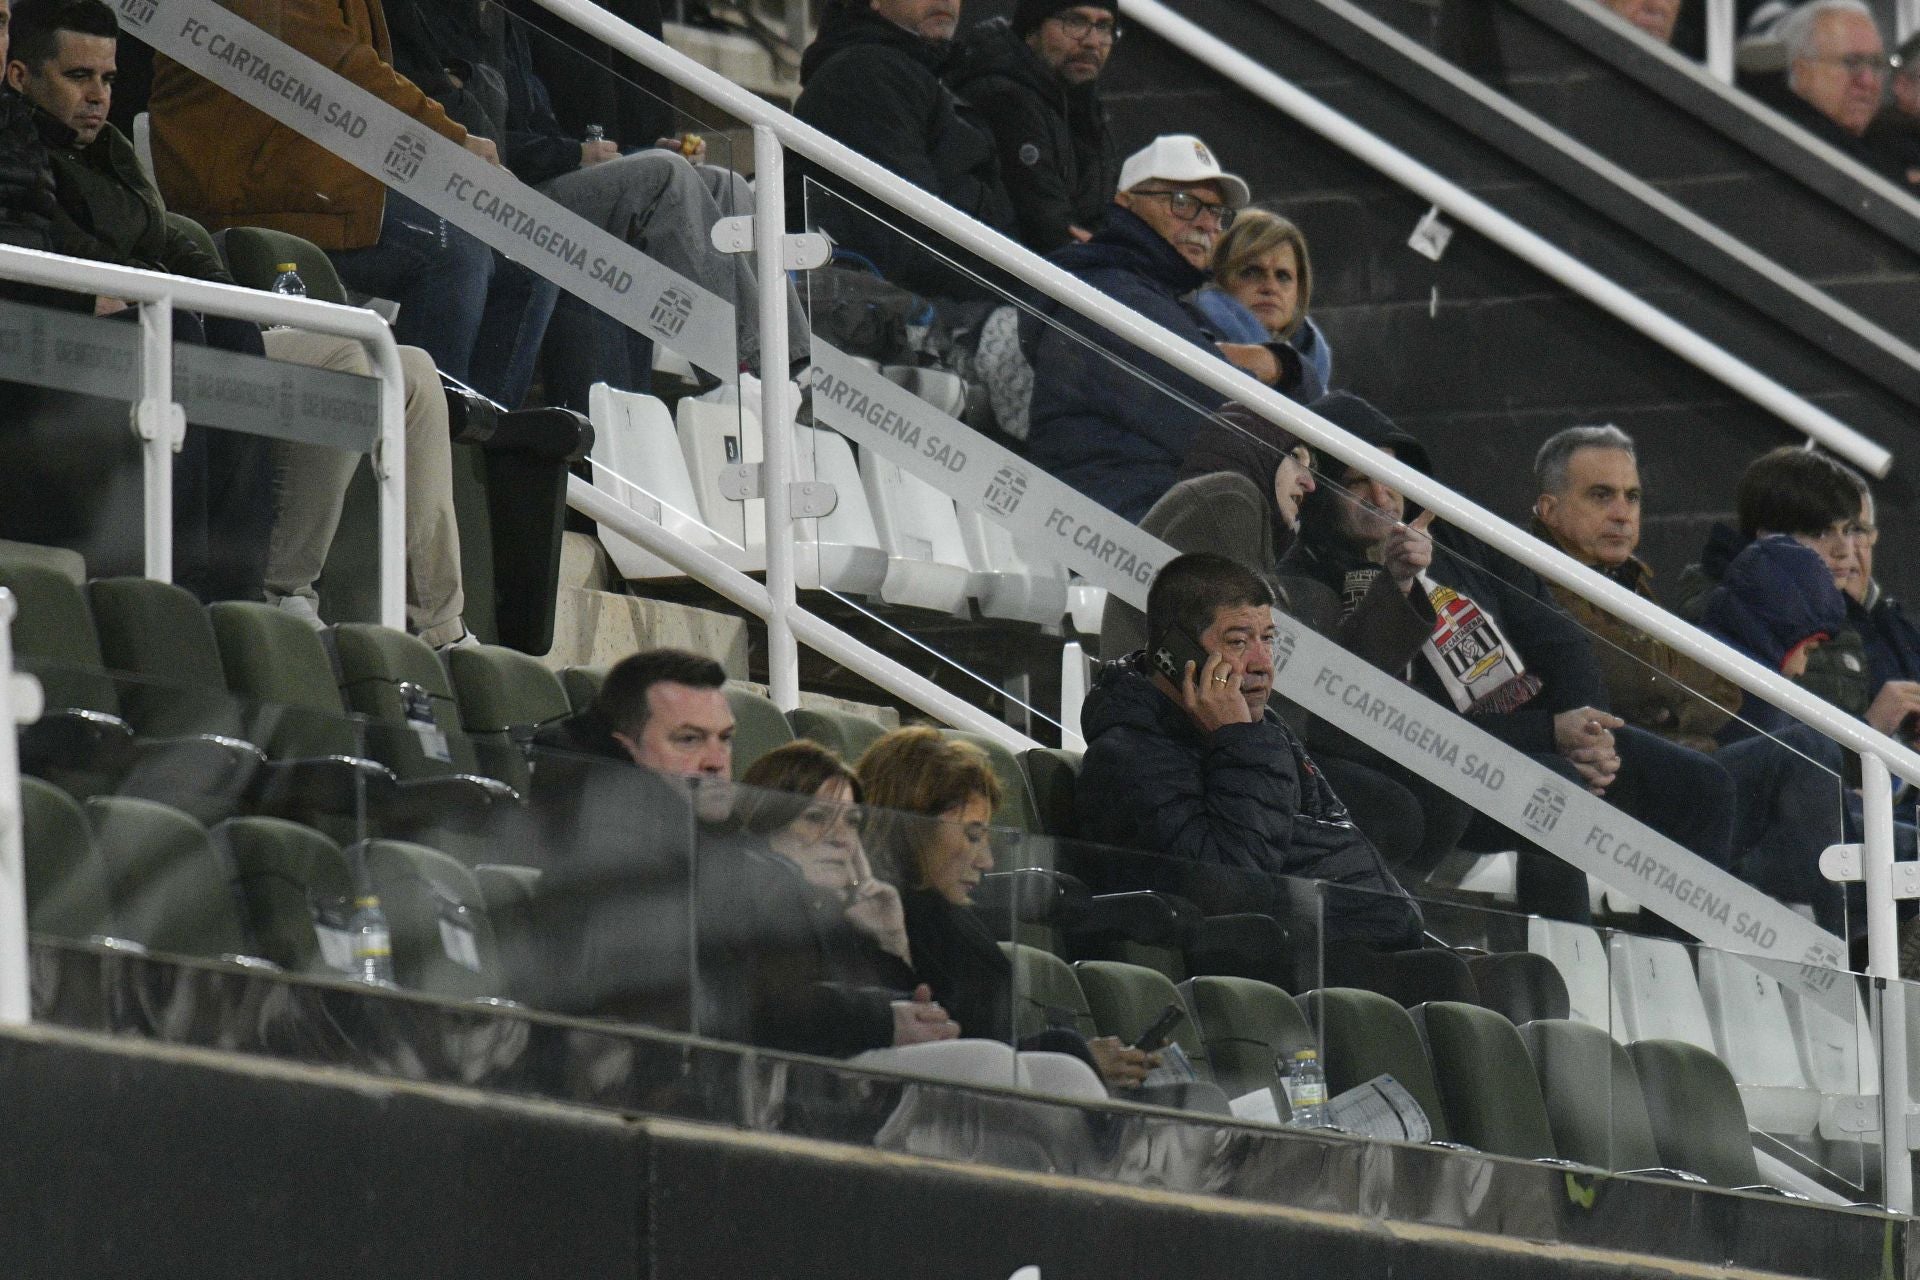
column 876, row 88
column 26, row 180
column 1245, row 796
column 1056, row 152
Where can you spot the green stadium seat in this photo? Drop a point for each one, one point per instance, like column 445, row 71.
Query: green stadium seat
column 65, row 561
column 295, row 884
column 1521, row 985
column 847, row 735
column 1592, row 1094
column 1694, row 1106
column 582, row 684
column 1046, row 993
column 1362, row 1035
column 1052, row 775
column 172, row 890
column 758, row 726
column 1126, row 999
column 81, row 739
column 1486, row 1080
column 69, row 894
column 254, row 254
column 1248, row 1027
column 508, row 891
column 443, row 942
column 504, row 697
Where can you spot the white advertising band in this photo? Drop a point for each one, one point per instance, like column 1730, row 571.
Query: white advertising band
column 1049, row 519
column 481, row 199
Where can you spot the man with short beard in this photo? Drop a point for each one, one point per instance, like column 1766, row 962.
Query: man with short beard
column 1035, row 80
column 1111, row 434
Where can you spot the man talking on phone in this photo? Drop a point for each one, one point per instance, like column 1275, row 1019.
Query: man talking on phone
column 1185, row 760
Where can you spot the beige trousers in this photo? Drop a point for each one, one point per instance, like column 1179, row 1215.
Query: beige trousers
column 310, row 487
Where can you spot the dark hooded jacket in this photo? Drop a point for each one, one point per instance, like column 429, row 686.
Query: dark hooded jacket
column 1552, row 646
column 1057, row 156
column 1836, row 671
column 1775, row 596
column 108, row 210
column 27, row 204
column 1095, row 425
column 1892, row 640
column 499, row 96
column 876, row 88
column 1245, row 796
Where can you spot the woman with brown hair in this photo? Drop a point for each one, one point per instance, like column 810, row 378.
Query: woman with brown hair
column 1262, row 287
column 930, row 801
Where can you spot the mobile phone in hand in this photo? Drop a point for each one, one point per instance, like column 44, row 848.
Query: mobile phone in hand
column 1155, row 1037
column 1174, row 648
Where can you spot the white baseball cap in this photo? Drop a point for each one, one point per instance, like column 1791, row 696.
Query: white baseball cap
column 1181, row 157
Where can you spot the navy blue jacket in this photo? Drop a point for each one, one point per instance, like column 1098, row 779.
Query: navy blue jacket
column 1094, row 425
column 1772, row 596
column 1245, row 796
column 1892, row 640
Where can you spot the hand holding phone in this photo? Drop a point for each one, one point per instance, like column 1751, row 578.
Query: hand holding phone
column 1154, row 1037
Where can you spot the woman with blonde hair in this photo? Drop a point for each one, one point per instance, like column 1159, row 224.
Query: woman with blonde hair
column 929, row 803
column 1262, row 287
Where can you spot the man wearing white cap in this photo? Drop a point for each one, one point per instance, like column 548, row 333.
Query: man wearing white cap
column 1100, row 428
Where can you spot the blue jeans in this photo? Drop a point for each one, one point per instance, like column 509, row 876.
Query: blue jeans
column 437, row 273
column 519, row 304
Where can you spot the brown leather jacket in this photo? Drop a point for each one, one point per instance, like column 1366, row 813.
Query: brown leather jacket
column 226, row 164
column 1649, row 685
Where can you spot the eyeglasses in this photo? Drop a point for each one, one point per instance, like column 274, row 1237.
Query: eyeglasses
column 1876, row 65
column 1077, row 25
column 1866, row 533
column 1188, row 207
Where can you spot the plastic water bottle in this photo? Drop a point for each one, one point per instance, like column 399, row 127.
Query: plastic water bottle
column 372, row 943
column 1307, row 1090
column 596, row 133
column 288, row 283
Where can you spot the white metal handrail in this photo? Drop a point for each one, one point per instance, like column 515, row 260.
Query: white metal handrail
column 1230, row 383
column 19, row 704
column 157, row 294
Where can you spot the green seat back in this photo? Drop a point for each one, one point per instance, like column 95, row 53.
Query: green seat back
column 1053, row 774
column 54, row 636
column 1694, row 1105
column 509, row 891
column 1126, row 999
column 430, row 901
column 375, row 662
column 172, row 890
column 845, row 734
column 202, row 239
column 68, row 892
column 503, row 693
column 254, row 255
column 582, row 684
column 1523, row 986
column 1592, row 1094
column 758, row 727
column 1247, row 1026
column 294, row 882
column 1046, row 993
column 161, row 633
column 1486, row 1080
column 1016, row 800
column 65, row 561
column 274, row 660
column 1363, row 1034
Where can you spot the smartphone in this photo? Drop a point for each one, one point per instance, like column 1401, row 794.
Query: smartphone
column 1173, row 650
column 1154, row 1037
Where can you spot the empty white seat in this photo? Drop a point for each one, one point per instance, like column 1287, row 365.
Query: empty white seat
column 715, row 435
column 1493, row 874
column 840, row 551
column 945, row 391
column 927, row 565
column 1087, row 605
column 1577, row 951
column 1753, row 1034
column 143, row 143
column 636, row 457
column 1006, row 583
column 1657, row 992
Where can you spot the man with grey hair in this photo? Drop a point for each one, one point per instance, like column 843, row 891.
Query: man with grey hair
column 1836, row 69
column 1589, row 506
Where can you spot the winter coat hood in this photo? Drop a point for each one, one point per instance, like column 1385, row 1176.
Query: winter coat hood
column 1773, row 598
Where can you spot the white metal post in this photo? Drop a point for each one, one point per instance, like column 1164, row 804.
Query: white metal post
column 776, row 471
column 15, row 1000
column 152, row 418
column 1890, row 996
column 1906, row 20
column 1720, row 34
column 390, row 471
